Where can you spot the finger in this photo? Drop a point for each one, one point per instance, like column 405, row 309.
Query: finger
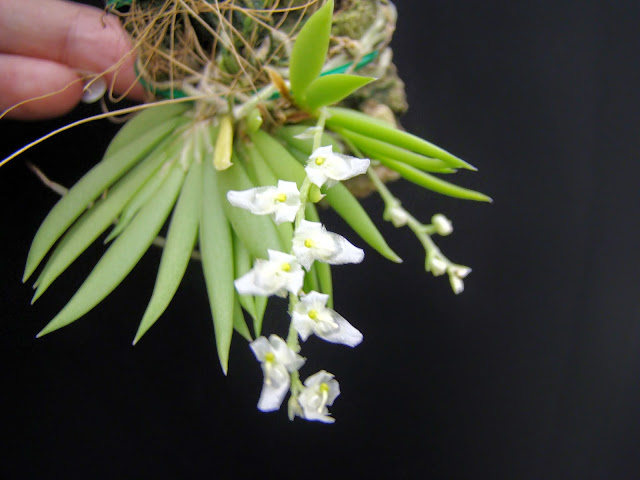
column 80, row 36
column 24, row 78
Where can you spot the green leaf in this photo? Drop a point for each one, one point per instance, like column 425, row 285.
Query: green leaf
column 311, row 280
column 332, row 89
column 261, row 307
column 288, row 133
column 138, row 201
column 89, row 188
column 257, row 232
column 239, row 324
column 143, row 195
column 242, row 264
column 123, row 255
column 181, row 238
column 278, row 158
column 377, row 149
column 434, row 183
column 217, row 261
column 374, row 128
column 310, row 51
column 97, row 219
column 144, row 121
column 341, row 200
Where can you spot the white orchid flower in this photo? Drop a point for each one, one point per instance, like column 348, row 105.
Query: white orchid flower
column 282, row 202
column 311, row 315
column 327, row 167
column 277, row 360
column 311, row 241
column 320, row 391
column 280, row 274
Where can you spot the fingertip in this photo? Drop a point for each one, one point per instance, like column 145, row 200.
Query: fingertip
column 44, row 89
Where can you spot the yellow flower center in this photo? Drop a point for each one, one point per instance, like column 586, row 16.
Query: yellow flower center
column 324, row 387
column 281, row 197
column 309, row 243
column 269, row 357
column 320, row 160
column 286, row 267
column 313, row 314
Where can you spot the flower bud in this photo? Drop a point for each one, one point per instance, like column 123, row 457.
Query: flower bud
column 437, row 266
column 442, row 224
column 397, row 215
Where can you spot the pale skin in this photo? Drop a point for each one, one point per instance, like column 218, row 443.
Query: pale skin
column 51, row 45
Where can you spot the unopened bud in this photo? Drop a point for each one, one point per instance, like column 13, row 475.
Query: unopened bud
column 459, row 271
column 456, row 284
column 398, row 216
column 442, row 224
column 437, row 266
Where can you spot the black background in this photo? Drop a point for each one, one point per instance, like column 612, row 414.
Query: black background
column 531, row 373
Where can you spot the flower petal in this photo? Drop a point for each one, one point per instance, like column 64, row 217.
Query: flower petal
column 303, row 324
column 260, row 347
column 346, row 334
column 273, row 393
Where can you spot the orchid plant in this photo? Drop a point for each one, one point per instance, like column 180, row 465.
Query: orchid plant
column 244, row 188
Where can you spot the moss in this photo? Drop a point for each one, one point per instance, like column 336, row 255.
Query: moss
column 354, row 17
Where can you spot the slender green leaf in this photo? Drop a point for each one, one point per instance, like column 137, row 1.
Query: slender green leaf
column 89, row 188
column 311, row 279
column 374, row 128
column 288, row 133
column 434, row 183
column 341, row 200
column 257, row 232
column 332, row 89
column 239, row 323
column 310, row 51
column 181, row 238
column 98, row 218
column 377, row 149
column 123, row 255
column 242, row 264
column 144, row 121
column 217, row 261
column 138, row 201
column 261, row 307
column 278, row 158
column 298, row 155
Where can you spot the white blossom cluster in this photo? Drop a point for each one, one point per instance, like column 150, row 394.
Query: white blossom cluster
column 283, row 273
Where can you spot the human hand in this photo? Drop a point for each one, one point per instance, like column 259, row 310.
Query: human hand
column 47, row 45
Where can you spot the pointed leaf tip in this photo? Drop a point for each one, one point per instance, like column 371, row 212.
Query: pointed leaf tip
column 310, row 51
column 333, row 89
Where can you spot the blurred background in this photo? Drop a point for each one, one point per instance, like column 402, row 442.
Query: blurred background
column 531, row 373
